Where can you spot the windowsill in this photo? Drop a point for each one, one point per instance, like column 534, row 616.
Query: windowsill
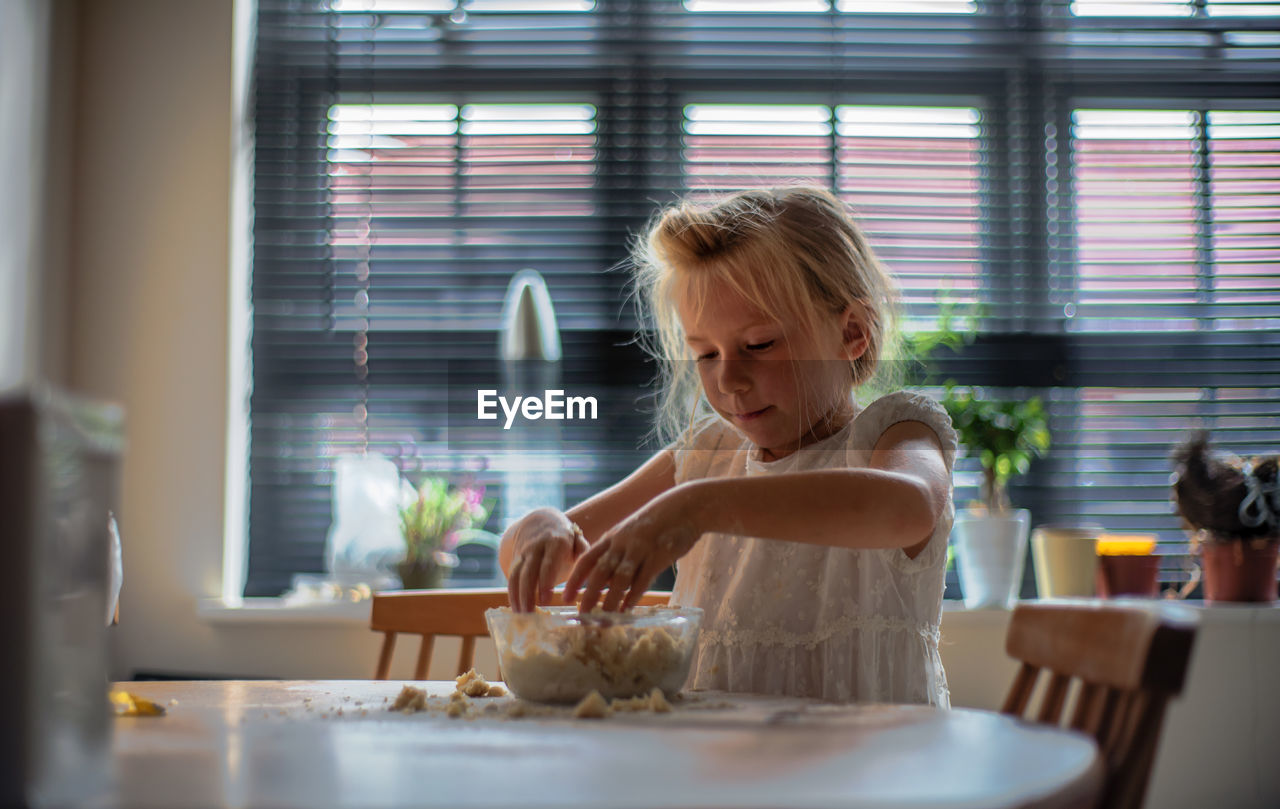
column 1227, row 613
column 275, row 611
column 262, row 611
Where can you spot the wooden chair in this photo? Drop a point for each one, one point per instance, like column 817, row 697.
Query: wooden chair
column 442, row 612
column 1128, row 661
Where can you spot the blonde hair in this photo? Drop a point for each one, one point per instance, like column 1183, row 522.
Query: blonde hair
column 792, row 251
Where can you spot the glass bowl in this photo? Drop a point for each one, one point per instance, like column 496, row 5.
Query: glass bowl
column 556, row 655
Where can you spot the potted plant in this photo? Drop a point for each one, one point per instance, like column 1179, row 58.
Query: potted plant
column 1004, row 435
column 430, row 525
column 990, row 536
column 1232, row 507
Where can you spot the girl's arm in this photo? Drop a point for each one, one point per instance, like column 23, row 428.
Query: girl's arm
column 895, row 503
column 600, row 512
column 544, row 540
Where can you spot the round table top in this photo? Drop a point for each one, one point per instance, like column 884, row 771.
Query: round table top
column 338, row 744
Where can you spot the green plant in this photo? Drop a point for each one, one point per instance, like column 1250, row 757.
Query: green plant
column 431, row 522
column 920, row 345
column 1004, row 435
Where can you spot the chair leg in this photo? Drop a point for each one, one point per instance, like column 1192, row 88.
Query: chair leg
column 1020, row 692
column 1088, row 714
column 1113, row 703
column 424, row 657
column 467, row 656
column 1054, row 697
column 1130, row 784
column 384, row 657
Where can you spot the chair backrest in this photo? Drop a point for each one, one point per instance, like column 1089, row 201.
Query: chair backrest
column 442, row 612
column 1120, row 665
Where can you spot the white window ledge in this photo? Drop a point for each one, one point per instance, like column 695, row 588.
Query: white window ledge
column 351, row 614
column 277, row 611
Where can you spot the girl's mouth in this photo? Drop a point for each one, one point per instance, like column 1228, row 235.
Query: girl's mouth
column 755, row 414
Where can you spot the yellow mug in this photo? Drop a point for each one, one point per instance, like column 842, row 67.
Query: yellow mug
column 1065, row 558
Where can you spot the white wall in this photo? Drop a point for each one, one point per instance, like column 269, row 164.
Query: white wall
column 149, row 293
column 24, row 48
column 152, row 302
column 35, row 105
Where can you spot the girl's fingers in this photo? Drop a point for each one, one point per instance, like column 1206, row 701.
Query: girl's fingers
column 595, row 582
column 624, row 576
column 547, row 576
column 585, row 564
column 652, row 567
column 529, row 578
column 513, row 582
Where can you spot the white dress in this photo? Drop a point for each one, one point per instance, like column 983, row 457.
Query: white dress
column 788, row 618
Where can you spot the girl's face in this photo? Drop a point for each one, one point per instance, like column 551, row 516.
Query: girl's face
column 784, row 390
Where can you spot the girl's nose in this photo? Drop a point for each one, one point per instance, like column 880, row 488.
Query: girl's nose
column 733, row 377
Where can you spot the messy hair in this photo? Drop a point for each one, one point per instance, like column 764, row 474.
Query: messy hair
column 794, row 252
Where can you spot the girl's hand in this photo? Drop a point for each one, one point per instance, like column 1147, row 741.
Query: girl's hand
column 628, row 558
column 545, row 542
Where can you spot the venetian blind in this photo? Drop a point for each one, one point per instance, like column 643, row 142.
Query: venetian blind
column 413, row 155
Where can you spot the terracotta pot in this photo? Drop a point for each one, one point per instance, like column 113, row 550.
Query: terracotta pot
column 1128, row 575
column 421, row 575
column 1240, row 571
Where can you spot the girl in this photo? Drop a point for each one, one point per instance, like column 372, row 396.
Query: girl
column 811, row 531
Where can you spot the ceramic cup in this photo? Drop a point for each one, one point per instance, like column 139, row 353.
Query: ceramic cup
column 1064, row 557
column 990, row 551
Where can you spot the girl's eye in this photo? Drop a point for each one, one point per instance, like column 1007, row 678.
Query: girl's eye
column 765, row 346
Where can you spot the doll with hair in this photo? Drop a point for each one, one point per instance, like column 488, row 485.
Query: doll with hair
column 809, row 524
column 1230, row 497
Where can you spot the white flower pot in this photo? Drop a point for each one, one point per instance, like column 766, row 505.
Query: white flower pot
column 990, row 552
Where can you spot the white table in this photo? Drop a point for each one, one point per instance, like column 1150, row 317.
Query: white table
column 284, row 744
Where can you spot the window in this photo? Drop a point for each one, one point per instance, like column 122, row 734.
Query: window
column 1176, row 264
column 417, row 191
column 912, row 175
column 1099, row 178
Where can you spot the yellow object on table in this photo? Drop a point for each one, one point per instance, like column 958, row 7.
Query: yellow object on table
column 1126, row 544
column 125, row 704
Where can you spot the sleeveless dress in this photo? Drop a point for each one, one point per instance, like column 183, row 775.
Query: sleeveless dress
column 786, row 618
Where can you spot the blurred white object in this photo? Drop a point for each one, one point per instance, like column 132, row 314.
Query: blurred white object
column 364, row 539
column 529, row 330
column 531, row 351
column 115, row 568
column 310, row 588
column 991, row 550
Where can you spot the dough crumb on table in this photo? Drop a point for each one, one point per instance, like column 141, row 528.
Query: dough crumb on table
column 473, row 684
column 504, row 706
column 655, row 702
column 459, row 705
column 592, row 706
column 518, row 709
column 410, row 700
column 658, row 702
column 621, row 705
